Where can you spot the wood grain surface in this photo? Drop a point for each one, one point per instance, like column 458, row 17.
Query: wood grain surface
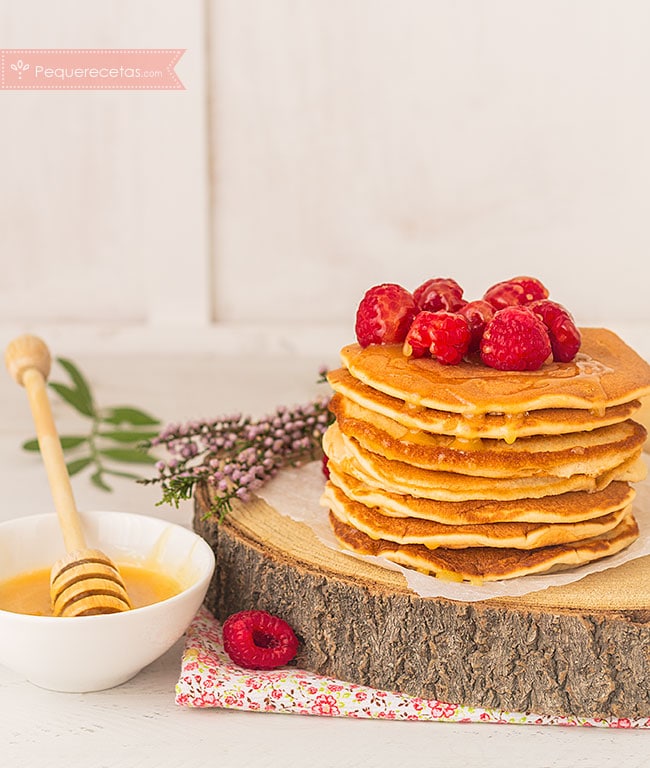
column 581, row 649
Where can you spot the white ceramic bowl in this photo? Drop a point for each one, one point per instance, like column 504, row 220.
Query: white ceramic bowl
column 95, row 652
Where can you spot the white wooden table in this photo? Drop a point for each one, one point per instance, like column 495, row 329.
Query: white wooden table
column 138, row 724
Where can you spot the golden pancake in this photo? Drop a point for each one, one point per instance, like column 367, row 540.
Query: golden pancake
column 563, row 508
column 480, row 564
column 471, row 473
column 605, row 372
column 579, row 453
column 505, row 426
column 399, row 477
column 410, row 530
column 643, row 417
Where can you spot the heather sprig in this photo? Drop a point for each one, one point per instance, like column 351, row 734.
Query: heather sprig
column 235, row 455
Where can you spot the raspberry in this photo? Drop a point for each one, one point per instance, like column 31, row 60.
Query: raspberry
column 516, row 291
column 440, row 293
column 515, row 340
column 444, row 335
column 259, row 640
column 478, row 314
column 384, row 315
column 562, row 330
column 324, row 467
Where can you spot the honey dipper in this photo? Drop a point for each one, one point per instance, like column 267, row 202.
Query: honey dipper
column 84, row 582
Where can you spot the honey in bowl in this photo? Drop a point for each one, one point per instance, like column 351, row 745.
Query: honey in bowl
column 29, row 592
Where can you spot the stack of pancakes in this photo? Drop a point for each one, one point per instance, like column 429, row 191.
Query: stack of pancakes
column 470, row 473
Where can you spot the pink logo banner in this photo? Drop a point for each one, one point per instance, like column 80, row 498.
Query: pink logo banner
column 89, row 69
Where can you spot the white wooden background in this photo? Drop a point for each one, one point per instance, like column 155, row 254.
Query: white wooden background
column 322, row 146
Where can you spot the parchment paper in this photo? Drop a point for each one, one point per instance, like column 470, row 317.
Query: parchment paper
column 296, row 493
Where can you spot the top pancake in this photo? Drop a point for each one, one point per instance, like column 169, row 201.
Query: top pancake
column 605, row 372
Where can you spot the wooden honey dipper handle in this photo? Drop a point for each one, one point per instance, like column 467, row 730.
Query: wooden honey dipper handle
column 28, row 361
column 85, row 582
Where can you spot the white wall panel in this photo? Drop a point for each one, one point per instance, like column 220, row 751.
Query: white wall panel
column 103, row 194
column 350, row 142
column 360, row 141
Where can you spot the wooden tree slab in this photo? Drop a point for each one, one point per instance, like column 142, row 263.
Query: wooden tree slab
column 582, row 649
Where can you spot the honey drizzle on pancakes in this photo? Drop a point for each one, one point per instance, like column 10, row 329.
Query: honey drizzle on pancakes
column 466, row 446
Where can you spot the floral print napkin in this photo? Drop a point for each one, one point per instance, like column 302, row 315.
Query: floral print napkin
column 209, row 679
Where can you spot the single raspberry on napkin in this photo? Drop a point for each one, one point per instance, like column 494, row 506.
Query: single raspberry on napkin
column 259, row 640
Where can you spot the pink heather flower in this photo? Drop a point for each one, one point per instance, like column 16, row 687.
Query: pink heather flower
column 236, row 455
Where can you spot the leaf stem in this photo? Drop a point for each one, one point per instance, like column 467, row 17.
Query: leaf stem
column 121, row 429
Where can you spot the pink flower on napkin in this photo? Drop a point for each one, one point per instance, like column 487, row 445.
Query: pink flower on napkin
column 325, row 705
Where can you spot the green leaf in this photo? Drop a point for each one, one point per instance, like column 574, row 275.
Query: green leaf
column 67, row 441
column 78, row 464
column 72, row 441
column 73, row 397
column 128, row 455
column 127, row 415
column 97, row 480
column 128, row 428
column 78, row 379
column 128, row 437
